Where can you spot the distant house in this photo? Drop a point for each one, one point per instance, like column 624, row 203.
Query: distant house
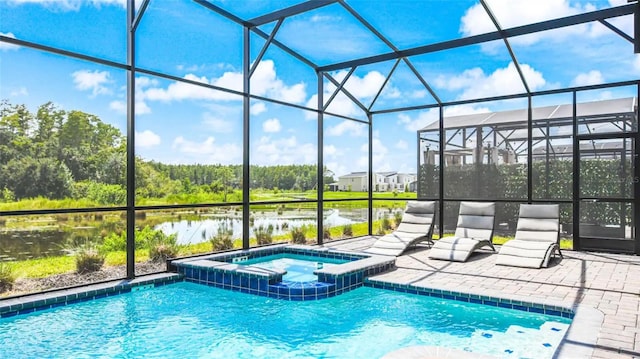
column 382, row 181
column 355, row 181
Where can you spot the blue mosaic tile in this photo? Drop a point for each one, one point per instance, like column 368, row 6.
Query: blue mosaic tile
column 521, row 307
column 536, row 310
column 553, row 312
column 547, row 345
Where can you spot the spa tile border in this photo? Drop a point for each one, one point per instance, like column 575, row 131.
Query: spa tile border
column 218, row 271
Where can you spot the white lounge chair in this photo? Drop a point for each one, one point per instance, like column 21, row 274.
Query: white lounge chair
column 473, row 231
column 416, row 226
column 537, row 237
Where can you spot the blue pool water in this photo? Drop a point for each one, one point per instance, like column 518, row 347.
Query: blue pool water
column 299, row 267
column 187, row 320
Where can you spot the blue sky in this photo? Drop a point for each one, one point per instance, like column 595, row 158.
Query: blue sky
column 183, row 123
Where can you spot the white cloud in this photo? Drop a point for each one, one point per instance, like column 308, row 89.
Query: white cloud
column 6, row 46
column 93, row 81
column 179, row 91
column 268, row 151
column 21, row 91
column 418, row 94
column 360, row 87
column 330, row 150
column 217, row 124
column 258, row 108
column 402, row 145
column 363, row 88
column 349, row 127
column 72, row 5
column 474, row 83
column 515, row 13
column 271, row 125
column 208, row 151
column 121, row 107
column 264, row 82
column 592, row 77
column 146, row 139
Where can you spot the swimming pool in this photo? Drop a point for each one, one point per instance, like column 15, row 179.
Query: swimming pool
column 299, row 267
column 189, row 320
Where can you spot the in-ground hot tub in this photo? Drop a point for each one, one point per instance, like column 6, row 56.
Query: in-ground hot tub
column 291, row 272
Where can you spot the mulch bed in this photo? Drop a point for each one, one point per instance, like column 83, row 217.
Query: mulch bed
column 71, row 279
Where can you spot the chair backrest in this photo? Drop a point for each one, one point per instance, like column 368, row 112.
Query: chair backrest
column 418, row 217
column 476, row 220
column 539, row 222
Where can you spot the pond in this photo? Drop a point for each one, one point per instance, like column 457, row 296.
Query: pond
column 51, row 239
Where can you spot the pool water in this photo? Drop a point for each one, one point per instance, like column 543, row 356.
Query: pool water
column 299, row 268
column 187, row 320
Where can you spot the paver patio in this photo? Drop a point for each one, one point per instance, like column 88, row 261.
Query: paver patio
column 609, row 283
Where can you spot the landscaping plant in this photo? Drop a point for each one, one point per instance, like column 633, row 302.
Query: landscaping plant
column 298, row 235
column 223, row 240
column 7, row 277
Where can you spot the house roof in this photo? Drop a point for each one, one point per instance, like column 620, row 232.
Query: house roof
column 584, row 109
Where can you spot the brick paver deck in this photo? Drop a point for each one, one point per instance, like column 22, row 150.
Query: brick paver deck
column 609, row 283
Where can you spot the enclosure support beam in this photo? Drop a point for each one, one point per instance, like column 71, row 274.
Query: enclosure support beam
column 386, row 80
column 320, row 147
column 493, row 18
column 131, row 131
column 265, row 47
column 246, row 175
column 636, row 182
column 347, row 93
column 138, row 16
column 492, row 36
column 290, row 11
column 370, row 212
column 338, row 89
column 441, row 172
column 576, row 177
column 530, row 149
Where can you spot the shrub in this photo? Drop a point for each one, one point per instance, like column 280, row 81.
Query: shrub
column 264, row 235
column 162, row 247
column 7, row 277
column 88, row 258
column 347, row 230
column 326, row 232
column 380, row 232
column 118, row 241
column 386, row 223
column 298, row 235
column 223, row 240
column 397, row 218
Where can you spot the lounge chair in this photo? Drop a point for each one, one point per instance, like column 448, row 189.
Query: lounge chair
column 416, row 226
column 537, row 237
column 473, row 231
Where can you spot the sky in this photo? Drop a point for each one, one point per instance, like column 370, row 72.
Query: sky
column 177, row 122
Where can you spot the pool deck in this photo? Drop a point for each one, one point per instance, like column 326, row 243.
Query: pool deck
column 609, row 283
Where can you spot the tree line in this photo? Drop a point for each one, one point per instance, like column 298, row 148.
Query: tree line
column 57, row 154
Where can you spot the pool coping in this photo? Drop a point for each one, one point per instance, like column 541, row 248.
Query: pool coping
column 41, row 301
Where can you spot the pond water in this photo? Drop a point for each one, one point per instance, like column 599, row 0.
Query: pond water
column 50, row 240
